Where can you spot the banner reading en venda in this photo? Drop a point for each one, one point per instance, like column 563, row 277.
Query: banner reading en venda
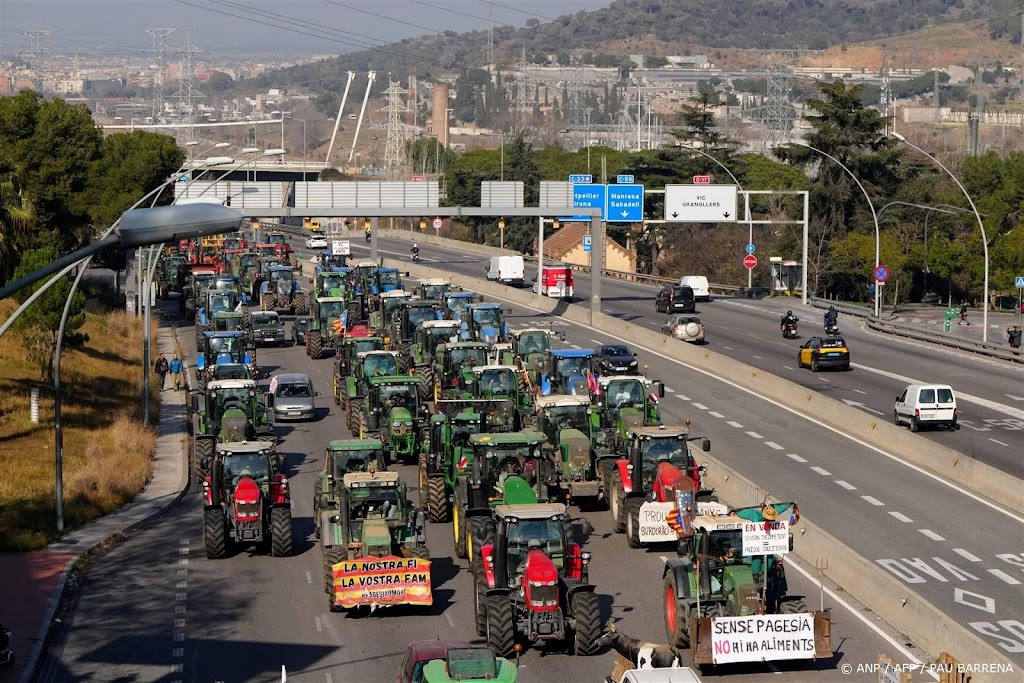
column 386, row 580
column 762, row 638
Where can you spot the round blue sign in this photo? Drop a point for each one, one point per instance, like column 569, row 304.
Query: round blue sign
column 882, row 273
column 751, row 249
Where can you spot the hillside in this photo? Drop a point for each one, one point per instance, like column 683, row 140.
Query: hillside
column 661, row 26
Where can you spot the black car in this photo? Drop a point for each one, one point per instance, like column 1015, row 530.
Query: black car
column 675, row 299
column 616, row 359
column 299, row 331
column 267, row 328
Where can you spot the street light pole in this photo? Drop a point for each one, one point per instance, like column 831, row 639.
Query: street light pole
column 981, row 226
column 874, row 216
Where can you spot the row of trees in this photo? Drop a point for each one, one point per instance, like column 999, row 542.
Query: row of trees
column 61, row 184
column 842, row 237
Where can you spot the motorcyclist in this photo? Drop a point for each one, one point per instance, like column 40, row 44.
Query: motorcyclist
column 415, row 252
column 831, row 316
column 368, row 234
column 789, row 319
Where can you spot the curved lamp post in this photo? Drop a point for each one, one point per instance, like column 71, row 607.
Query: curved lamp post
column 981, row 225
column 871, row 206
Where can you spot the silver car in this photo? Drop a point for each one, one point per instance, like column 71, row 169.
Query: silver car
column 294, row 397
column 686, row 327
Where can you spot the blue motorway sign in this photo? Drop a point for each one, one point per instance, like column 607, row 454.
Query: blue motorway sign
column 581, row 178
column 751, row 249
column 625, row 204
column 587, row 244
column 624, row 179
column 587, row 197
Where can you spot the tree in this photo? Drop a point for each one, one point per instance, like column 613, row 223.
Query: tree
column 17, row 218
column 428, row 155
column 41, row 321
column 220, row 81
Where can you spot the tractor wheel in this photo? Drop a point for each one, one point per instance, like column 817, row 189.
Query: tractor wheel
column 420, row 552
column 280, row 532
column 203, row 450
column 793, row 606
column 617, row 504
column 332, row 556
column 293, row 260
column 200, row 329
column 300, row 304
column 587, row 611
column 215, row 533
column 480, row 603
column 314, row 344
column 605, row 470
column 355, row 409
column 676, row 616
column 426, row 388
column 458, row 520
column 480, row 531
column 363, row 428
column 501, row 635
column 318, row 492
column 437, row 500
column 267, row 302
column 632, row 511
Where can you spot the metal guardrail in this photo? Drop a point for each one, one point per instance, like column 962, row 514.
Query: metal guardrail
column 910, row 332
column 647, row 280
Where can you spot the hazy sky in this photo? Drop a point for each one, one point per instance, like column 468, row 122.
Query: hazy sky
column 112, row 27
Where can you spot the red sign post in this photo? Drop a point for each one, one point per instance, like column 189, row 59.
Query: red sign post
column 701, row 180
column 750, row 261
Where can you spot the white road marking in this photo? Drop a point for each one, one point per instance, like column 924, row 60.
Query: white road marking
column 900, row 516
column 931, row 534
column 448, row 618
column 179, row 609
column 179, row 637
column 182, row 584
column 716, row 414
column 176, row 668
column 599, row 343
column 183, row 551
column 774, row 669
column 823, row 379
column 998, row 442
column 822, row 471
column 181, row 597
column 727, row 348
column 319, row 625
column 182, row 572
column 178, row 652
column 737, row 425
column 329, row 679
column 846, row 485
column 966, row 555
column 824, row 425
column 1000, row 574
column 754, row 435
column 182, row 541
column 773, row 445
column 179, row 623
column 862, row 393
column 787, row 367
column 758, row 357
column 984, row 402
column 700, row 406
column 309, row 578
column 872, row 500
column 669, row 390
column 1015, row 398
column 795, row 457
column 682, row 398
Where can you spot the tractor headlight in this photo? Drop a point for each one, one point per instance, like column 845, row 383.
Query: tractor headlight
column 396, row 424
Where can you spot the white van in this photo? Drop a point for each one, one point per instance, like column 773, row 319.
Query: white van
column 509, row 270
column 679, row 674
column 926, row 405
column 699, row 285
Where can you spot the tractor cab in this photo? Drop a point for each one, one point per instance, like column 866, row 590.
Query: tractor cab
column 377, row 512
column 353, row 455
column 454, row 365
column 650, row 447
column 483, row 322
column 333, row 261
column 468, row 665
column 456, row 301
column 224, row 347
column 500, row 458
column 332, row 283
column 267, row 250
column 230, row 371
column 393, row 410
column 436, row 288
column 569, row 371
column 389, row 279
column 409, row 315
column 512, row 409
column 365, row 275
column 389, row 303
column 234, row 242
column 627, row 402
column 371, row 364
column 571, row 425
column 431, row 333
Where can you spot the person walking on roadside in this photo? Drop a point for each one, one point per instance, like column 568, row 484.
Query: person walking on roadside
column 963, row 312
column 175, row 366
column 161, row 367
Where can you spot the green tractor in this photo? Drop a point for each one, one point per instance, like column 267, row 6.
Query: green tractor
column 572, row 426
column 367, row 364
column 200, row 277
column 327, row 315
column 505, row 468
column 216, row 301
column 470, row 665
column 453, row 368
column 715, row 577
column 405, row 320
column 435, row 288
column 370, row 517
column 627, row 401
column 383, row 307
column 446, row 453
column 393, row 411
column 425, row 340
column 345, row 361
column 246, row 500
column 170, row 275
column 341, row 457
column 505, row 383
column 229, row 410
column 530, row 348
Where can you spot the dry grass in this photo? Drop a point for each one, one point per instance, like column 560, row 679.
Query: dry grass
column 107, row 450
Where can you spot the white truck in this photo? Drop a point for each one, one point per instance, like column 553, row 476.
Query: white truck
column 509, row 270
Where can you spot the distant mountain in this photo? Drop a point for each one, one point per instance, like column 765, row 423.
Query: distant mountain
column 659, row 25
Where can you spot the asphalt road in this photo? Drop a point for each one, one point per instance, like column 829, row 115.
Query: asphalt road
column 991, row 393
column 154, row 609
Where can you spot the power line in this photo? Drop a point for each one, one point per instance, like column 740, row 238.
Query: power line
column 382, row 16
column 159, row 53
column 520, row 11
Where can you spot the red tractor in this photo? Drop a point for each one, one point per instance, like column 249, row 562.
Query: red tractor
column 245, row 501
column 640, row 484
column 532, row 584
column 282, row 248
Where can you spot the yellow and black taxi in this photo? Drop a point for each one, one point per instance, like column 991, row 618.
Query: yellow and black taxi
column 824, row 352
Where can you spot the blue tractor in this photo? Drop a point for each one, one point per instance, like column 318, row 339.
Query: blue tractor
column 281, row 290
column 454, row 302
column 570, row 371
column 483, row 322
column 220, row 348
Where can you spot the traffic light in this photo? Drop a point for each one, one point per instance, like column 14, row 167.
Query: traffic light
column 501, row 223
column 255, row 223
column 306, row 223
column 555, row 224
column 423, row 224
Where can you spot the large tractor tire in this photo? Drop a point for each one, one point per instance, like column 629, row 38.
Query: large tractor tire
column 480, row 602
column 332, row 556
column 677, row 617
column 280, row 532
column 459, row 530
column 587, row 610
column 268, row 302
column 426, row 387
column 437, row 500
column 293, row 260
column 633, row 522
column 481, row 529
column 314, row 344
column 605, row 473
column 617, row 504
column 501, row 635
column 318, row 492
column 202, row 450
column 793, row 606
column 200, row 330
column 215, row 533
column 420, row 552
column 300, row 304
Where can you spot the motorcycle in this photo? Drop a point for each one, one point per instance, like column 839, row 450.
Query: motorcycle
column 416, row 256
column 6, row 653
column 832, row 329
column 368, row 235
column 789, row 330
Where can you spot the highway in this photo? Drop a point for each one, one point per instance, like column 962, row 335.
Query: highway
column 155, row 609
column 991, row 410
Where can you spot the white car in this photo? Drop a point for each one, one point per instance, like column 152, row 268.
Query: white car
column 316, row 242
column 685, row 327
